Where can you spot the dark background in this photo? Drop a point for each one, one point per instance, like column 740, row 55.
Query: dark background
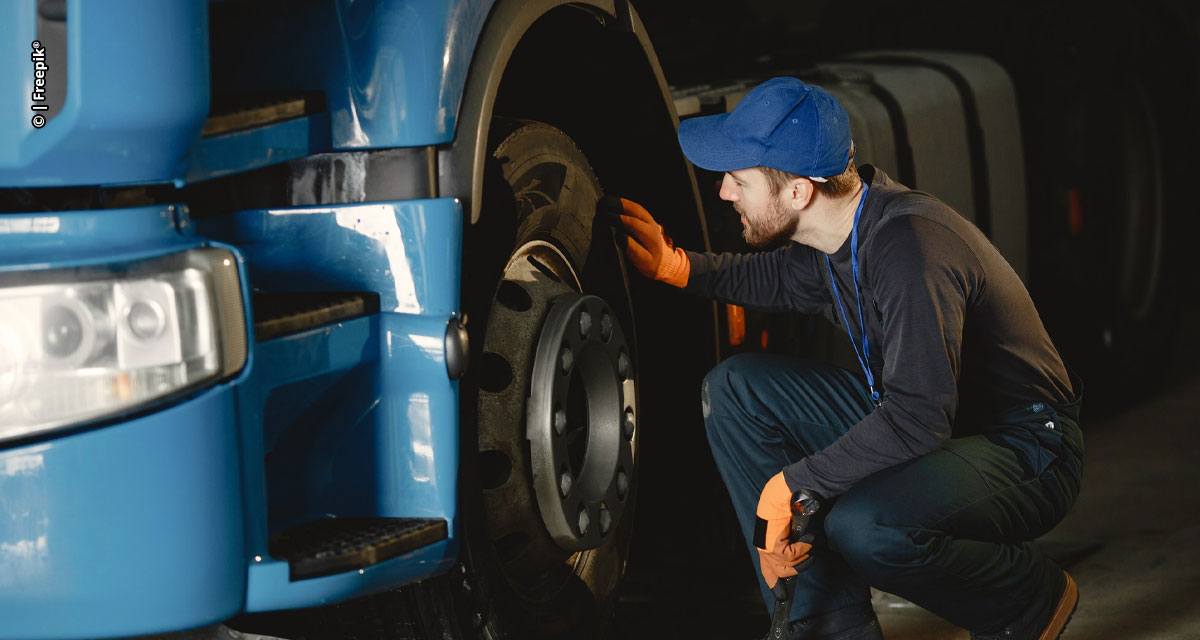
column 1077, row 66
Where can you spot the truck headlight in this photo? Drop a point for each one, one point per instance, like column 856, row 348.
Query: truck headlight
column 81, row 344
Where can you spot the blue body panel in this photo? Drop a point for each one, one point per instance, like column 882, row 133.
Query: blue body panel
column 392, row 71
column 137, row 93
column 124, row 530
column 409, row 252
column 161, row 521
column 388, row 447
column 132, row 527
column 358, row 418
column 84, row 238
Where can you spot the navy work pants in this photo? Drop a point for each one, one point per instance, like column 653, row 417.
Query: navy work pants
column 950, row 531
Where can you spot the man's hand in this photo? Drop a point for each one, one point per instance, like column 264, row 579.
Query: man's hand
column 778, row 556
column 647, row 245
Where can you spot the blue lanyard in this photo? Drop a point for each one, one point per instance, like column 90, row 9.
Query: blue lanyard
column 864, row 358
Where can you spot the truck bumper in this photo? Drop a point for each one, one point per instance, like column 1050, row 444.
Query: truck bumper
column 126, row 529
column 167, row 520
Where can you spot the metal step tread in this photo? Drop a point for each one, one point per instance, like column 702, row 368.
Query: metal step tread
column 236, row 112
column 278, row 314
column 335, row 545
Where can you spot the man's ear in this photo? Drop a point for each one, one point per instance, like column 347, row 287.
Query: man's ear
column 800, row 193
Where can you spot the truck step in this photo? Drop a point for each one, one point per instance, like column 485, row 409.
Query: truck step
column 325, row 547
column 235, row 112
column 279, row 314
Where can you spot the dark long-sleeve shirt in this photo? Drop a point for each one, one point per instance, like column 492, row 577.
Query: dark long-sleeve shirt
column 953, row 333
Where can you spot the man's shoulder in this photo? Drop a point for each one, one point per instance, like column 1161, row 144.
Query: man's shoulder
column 887, row 196
column 900, row 214
column 910, row 202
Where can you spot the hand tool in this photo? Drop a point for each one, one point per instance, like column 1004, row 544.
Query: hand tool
column 804, row 505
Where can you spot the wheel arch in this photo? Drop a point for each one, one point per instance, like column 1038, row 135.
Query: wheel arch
column 519, row 39
column 589, row 69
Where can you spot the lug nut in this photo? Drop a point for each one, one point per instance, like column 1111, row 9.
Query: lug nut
column 606, row 325
column 605, row 520
column 623, row 365
column 560, row 421
column 622, row 484
column 584, row 520
column 628, row 423
column 585, row 324
column 564, row 483
column 566, row 359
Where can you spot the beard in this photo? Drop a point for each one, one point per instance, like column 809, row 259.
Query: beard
column 774, row 229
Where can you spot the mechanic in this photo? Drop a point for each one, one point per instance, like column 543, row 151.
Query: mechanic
column 956, row 444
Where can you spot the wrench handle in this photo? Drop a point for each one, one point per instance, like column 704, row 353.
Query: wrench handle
column 803, row 505
column 783, row 592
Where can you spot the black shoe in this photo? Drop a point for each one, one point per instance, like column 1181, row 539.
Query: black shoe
column 856, row 622
column 1046, row 621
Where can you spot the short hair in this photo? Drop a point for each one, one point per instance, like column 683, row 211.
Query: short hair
column 833, row 186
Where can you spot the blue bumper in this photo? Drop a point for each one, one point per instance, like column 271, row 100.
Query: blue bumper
column 161, row 522
column 124, row 530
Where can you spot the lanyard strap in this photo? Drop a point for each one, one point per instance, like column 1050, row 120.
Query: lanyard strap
column 864, row 357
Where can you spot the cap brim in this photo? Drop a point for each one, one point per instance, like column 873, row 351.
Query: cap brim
column 707, row 146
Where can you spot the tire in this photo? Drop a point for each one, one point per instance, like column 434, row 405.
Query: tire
column 538, row 241
column 1105, row 288
column 1135, row 311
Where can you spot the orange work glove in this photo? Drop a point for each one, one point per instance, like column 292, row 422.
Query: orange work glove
column 777, row 555
column 649, row 248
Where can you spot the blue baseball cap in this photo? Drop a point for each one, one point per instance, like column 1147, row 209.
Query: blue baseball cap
column 782, row 123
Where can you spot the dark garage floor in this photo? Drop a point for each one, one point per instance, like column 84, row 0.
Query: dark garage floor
column 1132, row 543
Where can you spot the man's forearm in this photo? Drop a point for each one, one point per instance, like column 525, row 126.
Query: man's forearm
column 753, row 280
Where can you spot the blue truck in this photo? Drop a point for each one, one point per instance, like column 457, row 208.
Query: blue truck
column 308, row 327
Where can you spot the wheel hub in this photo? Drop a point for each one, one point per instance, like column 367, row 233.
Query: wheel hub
column 581, row 419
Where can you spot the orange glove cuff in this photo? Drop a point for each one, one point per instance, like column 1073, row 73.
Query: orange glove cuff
column 651, row 249
column 675, row 268
column 775, row 509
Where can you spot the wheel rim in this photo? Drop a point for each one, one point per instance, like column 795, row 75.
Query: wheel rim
column 533, row 527
column 581, row 421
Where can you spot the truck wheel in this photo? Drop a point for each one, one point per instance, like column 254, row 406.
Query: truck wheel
column 549, row 407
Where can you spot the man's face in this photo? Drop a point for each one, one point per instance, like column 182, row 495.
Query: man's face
column 766, row 220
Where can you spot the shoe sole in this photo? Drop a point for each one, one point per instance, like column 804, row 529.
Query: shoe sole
column 1063, row 612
